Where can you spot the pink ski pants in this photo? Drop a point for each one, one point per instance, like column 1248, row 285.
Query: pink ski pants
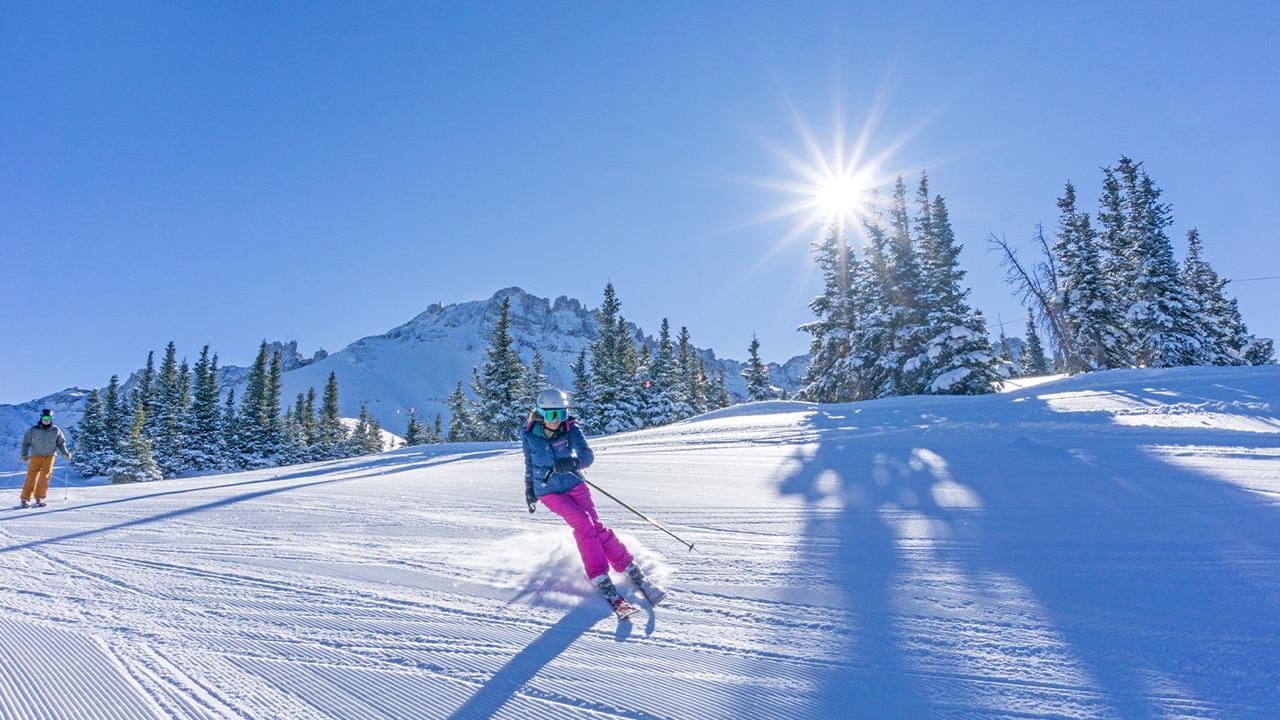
column 597, row 544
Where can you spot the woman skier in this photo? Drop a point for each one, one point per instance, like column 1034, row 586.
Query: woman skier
column 555, row 453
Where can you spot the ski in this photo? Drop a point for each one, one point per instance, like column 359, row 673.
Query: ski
column 652, row 593
column 624, row 610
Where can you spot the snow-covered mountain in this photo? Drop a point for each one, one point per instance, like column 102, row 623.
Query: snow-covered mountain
column 411, row 367
column 1104, row 546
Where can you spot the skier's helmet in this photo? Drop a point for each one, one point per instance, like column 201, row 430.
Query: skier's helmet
column 553, row 404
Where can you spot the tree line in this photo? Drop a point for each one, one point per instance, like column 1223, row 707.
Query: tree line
column 620, row 382
column 174, row 420
column 1114, row 296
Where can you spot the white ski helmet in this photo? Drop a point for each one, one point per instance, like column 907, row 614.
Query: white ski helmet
column 553, row 399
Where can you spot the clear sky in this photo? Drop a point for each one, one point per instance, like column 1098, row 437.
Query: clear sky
column 224, row 173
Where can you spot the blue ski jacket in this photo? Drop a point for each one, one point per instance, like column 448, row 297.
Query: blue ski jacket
column 541, row 453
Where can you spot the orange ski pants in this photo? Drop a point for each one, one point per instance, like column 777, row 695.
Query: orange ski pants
column 39, row 470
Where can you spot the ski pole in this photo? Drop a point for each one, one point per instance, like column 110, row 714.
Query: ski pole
column 16, row 468
column 66, row 483
column 638, row 514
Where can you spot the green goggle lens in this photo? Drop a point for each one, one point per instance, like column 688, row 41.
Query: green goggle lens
column 553, row 415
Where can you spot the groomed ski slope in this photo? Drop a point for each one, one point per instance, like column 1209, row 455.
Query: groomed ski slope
column 1105, row 546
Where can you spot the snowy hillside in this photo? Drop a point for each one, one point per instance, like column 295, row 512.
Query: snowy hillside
column 1106, row 546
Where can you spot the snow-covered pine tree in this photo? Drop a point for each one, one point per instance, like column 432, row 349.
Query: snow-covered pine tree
column 205, row 445
column 613, row 397
column 1085, row 303
column 144, row 393
column 90, row 438
column 699, row 385
column 414, row 431
column 117, row 420
column 686, row 378
column 580, row 394
column 364, row 440
column 333, row 435
column 501, row 401
column 461, row 427
column 1032, row 362
column 311, row 426
column 959, row 358
column 1158, row 317
column 273, row 420
column 664, row 392
column 231, row 433
column 757, row 375
column 135, row 463
column 1218, row 322
column 534, row 382
column 904, row 286
column 295, row 440
column 168, row 408
column 436, row 434
column 252, row 423
column 718, row 395
column 828, row 378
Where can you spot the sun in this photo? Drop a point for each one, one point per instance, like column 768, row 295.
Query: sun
column 842, row 197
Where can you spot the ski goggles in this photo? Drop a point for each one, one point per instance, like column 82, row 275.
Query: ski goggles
column 47, row 417
column 553, row 414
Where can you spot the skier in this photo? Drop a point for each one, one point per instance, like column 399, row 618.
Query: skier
column 555, row 453
column 40, row 443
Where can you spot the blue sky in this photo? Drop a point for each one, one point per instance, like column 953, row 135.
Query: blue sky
column 224, row 173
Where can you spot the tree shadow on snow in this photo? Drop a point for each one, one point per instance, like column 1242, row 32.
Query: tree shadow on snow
column 986, row 573
column 526, row 664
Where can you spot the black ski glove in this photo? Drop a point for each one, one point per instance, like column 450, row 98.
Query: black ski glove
column 566, row 465
column 530, row 497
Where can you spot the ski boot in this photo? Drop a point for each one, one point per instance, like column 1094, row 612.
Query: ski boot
column 623, row 609
column 651, row 592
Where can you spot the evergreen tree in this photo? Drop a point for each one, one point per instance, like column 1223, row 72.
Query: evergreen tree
column 414, row 431
column 231, row 433
column 757, row 375
column 1159, row 318
column 436, row 434
column 333, row 435
column 613, row 397
column 718, row 395
column 366, row 438
column 685, row 378
column 1218, row 322
column 828, row 378
column 117, row 421
column 663, row 394
column 205, row 443
column 1032, row 361
column 310, row 420
column 460, row 422
column 90, row 438
column 135, row 463
column 252, row 440
column 501, row 400
column 167, row 411
column 581, row 395
column 272, row 420
column 143, row 393
column 958, row 358
column 534, row 381
column 1084, row 303
column 902, row 279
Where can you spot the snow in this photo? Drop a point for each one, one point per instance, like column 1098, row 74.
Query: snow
column 1102, row 546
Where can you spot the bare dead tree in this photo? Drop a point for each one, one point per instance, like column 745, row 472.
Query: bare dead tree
column 1038, row 290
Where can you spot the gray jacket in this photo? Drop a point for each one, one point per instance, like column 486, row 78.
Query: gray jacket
column 41, row 441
